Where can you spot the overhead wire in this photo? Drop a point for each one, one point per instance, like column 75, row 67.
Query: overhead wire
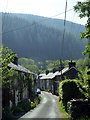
column 29, row 25
column 4, row 17
column 71, row 29
column 62, row 45
column 69, row 33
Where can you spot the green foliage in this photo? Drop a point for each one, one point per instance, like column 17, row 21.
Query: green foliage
column 39, row 98
column 85, row 77
column 36, row 101
column 25, row 105
column 33, row 68
column 61, row 107
column 70, row 89
column 66, row 63
column 26, row 61
column 81, row 64
column 62, row 110
column 6, row 56
column 16, row 110
column 83, row 8
column 41, row 66
column 29, row 64
column 7, row 114
column 83, row 118
column 33, row 105
column 42, row 40
column 87, row 49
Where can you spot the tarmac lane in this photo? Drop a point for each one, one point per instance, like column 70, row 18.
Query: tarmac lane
column 48, row 108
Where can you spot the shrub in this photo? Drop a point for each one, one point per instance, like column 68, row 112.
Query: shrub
column 7, row 114
column 16, row 109
column 70, row 89
column 25, row 105
column 62, row 110
column 39, row 98
column 33, row 105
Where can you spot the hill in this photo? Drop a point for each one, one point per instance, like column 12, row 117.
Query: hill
column 41, row 38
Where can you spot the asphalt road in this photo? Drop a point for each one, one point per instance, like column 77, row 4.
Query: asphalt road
column 48, row 108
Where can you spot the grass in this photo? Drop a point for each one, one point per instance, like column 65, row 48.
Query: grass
column 83, row 118
column 62, row 110
column 67, row 115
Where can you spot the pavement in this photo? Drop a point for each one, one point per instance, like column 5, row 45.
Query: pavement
column 48, row 108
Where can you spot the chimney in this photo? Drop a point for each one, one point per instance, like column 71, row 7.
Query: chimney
column 72, row 64
column 54, row 70
column 47, row 71
column 15, row 60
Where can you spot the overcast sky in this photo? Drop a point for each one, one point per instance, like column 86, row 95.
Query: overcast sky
column 46, row 8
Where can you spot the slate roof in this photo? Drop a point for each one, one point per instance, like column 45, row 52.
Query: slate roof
column 48, row 76
column 19, row 68
column 57, row 73
column 40, row 75
column 63, row 71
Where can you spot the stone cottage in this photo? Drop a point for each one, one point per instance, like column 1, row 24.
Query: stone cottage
column 51, row 80
column 20, row 88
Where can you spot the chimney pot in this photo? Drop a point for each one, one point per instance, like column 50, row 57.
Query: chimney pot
column 72, row 64
column 15, row 60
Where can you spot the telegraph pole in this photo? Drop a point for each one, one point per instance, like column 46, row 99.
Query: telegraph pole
column 61, row 68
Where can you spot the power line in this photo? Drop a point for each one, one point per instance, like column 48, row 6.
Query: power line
column 62, row 46
column 71, row 29
column 62, row 12
column 29, row 25
column 5, row 11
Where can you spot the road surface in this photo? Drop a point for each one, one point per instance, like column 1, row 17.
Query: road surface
column 48, row 108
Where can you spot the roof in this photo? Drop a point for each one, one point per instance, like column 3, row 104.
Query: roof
column 19, row 68
column 63, row 71
column 57, row 73
column 49, row 75
column 88, row 72
column 40, row 75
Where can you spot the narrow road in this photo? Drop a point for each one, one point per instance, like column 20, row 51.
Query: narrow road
column 48, row 108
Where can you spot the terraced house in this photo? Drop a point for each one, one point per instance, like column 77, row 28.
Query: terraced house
column 21, row 86
column 51, row 80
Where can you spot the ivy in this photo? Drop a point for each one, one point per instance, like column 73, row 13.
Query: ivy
column 71, row 89
column 6, row 56
column 67, row 84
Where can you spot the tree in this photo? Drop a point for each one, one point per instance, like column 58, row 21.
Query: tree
column 6, row 56
column 33, row 68
column 83, row 8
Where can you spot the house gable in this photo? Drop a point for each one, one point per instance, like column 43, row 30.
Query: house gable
column 72, row 73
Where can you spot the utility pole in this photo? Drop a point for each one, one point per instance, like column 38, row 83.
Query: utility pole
column 61, row 68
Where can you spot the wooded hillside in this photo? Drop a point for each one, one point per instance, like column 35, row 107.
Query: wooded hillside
column 38, row 37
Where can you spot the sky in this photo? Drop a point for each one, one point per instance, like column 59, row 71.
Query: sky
column 46, row 8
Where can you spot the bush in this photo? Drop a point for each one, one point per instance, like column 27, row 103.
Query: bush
column 39, row 98
column 7, row 114
column 33, row 105
column 25, row 105
column 70, row 89
column 16, row 109
column 62, row 110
